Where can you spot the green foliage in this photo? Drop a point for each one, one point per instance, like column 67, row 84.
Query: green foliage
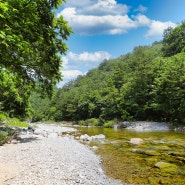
column 14, row 97
column 14, row 122
column 32, row 40
column 169, row 88
column 141, row 85
column 7, row 133
column 2, row 117
column 40, row 107
column 3, row 137
column 82, row 123
column 109, row 124
column 93, row 122
column 174, row 40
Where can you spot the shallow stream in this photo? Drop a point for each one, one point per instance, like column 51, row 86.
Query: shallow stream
column 159, row 159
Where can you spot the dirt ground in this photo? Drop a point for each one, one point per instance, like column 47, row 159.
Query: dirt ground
column 8, row 168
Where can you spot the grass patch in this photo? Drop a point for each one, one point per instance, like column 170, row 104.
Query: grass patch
column 14, row 122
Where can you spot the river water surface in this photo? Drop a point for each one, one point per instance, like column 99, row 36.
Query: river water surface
column 159, row 159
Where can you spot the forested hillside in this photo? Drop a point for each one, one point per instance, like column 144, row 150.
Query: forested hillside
column 146, row 84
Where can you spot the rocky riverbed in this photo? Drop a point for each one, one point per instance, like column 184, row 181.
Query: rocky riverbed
column 49, row 158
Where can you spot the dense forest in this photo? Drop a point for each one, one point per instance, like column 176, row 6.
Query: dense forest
column 146, row 84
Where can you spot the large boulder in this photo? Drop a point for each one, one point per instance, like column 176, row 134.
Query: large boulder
column 85, row 137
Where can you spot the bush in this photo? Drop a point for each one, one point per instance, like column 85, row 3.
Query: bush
column 7, row 133
column 94, row 122
column 2, row 117
column 3, row 137
column 109, row 124
column 82, row 123
column 14, row 122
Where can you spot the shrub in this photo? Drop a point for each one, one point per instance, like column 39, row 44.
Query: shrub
column 14, row 122
column 109, row 124
column 2, row 117
column 3, row 137
column 94, row 122
column 7, row 133
column 82, row 123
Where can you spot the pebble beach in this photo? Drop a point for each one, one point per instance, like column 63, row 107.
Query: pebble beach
column 48, row 157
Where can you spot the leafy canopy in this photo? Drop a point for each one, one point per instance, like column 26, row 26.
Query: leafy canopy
column 31, row 41
column 174, row 40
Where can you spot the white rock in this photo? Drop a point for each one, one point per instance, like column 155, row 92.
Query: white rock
column 85, row 137
column 100, row 136
column 136, row 141
column 14, row 141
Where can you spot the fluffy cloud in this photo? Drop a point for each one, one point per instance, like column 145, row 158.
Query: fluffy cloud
column 97, row 17
column 97, row 7
column 85, row 57
column 71, row 74
column 78, row 64
column 156, row 28
column 90, row 17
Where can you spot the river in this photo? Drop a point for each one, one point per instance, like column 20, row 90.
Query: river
column 159, row 159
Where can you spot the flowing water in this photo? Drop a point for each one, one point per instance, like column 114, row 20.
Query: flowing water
column 159, row 159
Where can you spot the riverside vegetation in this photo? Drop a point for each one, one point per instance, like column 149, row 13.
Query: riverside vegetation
column 146, row 84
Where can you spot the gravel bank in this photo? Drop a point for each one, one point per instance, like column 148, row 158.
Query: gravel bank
column 48, row 159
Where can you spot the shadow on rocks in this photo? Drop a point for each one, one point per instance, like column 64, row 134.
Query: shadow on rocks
column 28, row 139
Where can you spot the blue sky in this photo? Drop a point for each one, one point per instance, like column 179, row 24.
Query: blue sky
column 106, row 29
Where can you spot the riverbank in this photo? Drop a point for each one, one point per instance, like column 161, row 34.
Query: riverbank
column 46, row 158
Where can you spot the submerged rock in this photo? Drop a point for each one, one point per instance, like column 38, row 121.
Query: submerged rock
column 86, row 137
column 167, row 167
column 100, row 136
column 136, row 141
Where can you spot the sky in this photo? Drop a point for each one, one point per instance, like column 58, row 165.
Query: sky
column 107, row 29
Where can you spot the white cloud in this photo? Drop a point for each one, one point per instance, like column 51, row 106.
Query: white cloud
column 97, row 7
column 97, row 17
column 84, row 57
column 90, row 17
column 78, row 64
column 156, row 28
column 141, row 9
column 71, row 74
column 142, row 20
column 93, row 24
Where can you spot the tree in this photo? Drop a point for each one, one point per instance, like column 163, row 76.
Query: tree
column 169, row 88
column 31, row 41
column 14, row 96
column 174, row 40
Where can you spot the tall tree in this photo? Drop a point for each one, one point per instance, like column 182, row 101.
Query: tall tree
column 31, row 41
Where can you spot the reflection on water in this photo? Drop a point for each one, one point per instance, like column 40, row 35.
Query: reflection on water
column 160, row 159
